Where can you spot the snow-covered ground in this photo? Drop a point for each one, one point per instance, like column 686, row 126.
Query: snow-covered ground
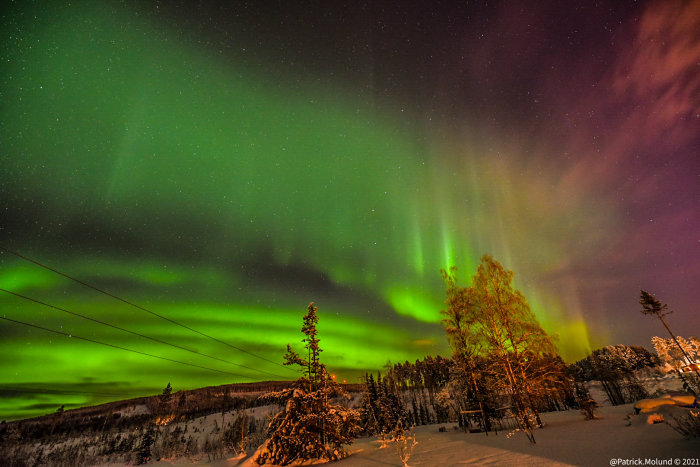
column 567, row 439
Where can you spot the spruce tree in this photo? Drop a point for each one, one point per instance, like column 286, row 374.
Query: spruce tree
column 144, row 453
column 369, row 413
column 165, row 395
column 309, row 426
column 312, row 364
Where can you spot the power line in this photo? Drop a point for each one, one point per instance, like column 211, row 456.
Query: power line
column 73, row 336
column 66, row 392
column 154, row 339
column 19, row 255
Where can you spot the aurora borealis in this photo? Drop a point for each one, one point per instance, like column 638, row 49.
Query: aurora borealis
column 223, row 165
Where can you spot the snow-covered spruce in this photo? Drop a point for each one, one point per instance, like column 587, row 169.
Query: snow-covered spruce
column 311, row 425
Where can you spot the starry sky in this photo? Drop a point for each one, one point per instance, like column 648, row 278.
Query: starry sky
column 223, row 164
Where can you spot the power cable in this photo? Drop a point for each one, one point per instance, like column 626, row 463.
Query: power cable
column 73, row 336
column 19, row 255
column 154, row 339
column 66, row 392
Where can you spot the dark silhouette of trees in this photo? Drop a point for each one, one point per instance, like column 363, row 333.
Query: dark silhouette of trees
column 459, row 322
column 615, row 366
column 165, row 395
column 418, row 384
column 382, row 408
column 144, row 451
column 369, row 407
column 586, row 404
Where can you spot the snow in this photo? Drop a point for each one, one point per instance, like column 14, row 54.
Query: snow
column 567, row 439
column 134, row 410
column 649, row 405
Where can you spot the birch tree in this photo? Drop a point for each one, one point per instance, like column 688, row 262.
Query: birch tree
column 513, row 339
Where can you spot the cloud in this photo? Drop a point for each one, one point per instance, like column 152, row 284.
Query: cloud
column 658, row 73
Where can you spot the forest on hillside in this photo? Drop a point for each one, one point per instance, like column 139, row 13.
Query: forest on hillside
column 504, row 372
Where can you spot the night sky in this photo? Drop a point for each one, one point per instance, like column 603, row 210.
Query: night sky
column 224, row 164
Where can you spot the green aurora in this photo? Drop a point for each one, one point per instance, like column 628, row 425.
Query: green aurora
column 212, row 197
column 216, row 194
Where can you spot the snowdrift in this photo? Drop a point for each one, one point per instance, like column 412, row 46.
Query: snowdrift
column 650, row 405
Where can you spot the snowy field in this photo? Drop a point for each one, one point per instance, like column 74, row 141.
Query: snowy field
column 567, row 439
column 617, row 437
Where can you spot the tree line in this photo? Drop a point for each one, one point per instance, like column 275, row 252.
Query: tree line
column 503, row 371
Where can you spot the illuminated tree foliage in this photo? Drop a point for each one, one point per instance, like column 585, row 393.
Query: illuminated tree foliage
column 679, row 354
column 493, row 320
column 310, row 426
column 653, row 307
column 671, row 355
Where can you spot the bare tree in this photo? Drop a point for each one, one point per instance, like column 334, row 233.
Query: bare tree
column 515, row 341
